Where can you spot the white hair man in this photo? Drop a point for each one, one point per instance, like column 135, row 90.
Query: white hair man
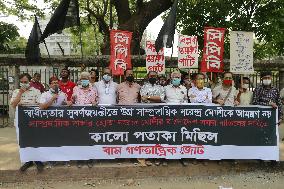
column 175, row 92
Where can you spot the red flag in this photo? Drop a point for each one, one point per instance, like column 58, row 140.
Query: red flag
column 212, row 60
column 120, row 58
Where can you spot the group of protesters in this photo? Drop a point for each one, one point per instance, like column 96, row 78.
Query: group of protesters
column 178, row 88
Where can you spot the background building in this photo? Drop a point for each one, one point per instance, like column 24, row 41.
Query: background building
column 55, row 41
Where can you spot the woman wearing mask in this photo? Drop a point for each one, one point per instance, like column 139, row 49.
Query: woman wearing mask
column 244, row 96
column 225, row 94
column 28, row 96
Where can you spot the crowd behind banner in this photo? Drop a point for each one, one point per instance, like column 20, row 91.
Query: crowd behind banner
column 178, row 88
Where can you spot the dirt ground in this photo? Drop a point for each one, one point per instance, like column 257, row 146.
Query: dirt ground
column 257, row 180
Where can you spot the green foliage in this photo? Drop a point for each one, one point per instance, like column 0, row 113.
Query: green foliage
column 23, row 9
column 8, row 33
column 17, row 46
column 263, row 17
column 91, row 39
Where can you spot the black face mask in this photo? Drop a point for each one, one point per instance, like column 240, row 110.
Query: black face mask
column 130, row 78
column 152, row 80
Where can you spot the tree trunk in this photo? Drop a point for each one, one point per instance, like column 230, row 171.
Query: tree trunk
column 137, row 22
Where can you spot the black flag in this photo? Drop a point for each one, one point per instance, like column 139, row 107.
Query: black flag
column 65, row 15
column 32, row 52
column 166, row 34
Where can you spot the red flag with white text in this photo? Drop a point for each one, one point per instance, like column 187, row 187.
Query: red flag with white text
column 212, row 59
column 120, row 58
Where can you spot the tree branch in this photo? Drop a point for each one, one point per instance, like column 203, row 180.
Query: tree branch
column 148, row 12
column 123, row 10
column 103, row 27
column 139, row 5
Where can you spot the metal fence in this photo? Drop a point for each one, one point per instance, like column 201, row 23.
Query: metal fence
column 4, row 97
column 139, row 74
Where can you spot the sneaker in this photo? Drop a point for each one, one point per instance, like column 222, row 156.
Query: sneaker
column 165, row 163
column 157, row 162
column 79, row 164
column 39, row 166
column 184, row 162
column 26, row 166
column 90, row 163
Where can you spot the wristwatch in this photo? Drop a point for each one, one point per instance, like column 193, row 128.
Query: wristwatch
column 148, row 98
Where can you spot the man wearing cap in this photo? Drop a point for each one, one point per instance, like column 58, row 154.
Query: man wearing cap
column 267, row 95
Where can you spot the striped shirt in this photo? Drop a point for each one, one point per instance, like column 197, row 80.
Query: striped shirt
column 29, row 97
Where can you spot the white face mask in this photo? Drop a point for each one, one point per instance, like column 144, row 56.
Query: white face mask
column 24, row 85
column 245, row 86
column 266, row 82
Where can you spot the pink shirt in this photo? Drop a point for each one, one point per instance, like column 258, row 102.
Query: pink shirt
column 128, row 94
column 84, row 96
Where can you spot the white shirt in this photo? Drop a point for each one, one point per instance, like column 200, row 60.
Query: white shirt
column 175, row 94
column 219, row 93
column 46, row 97
column 200, row 96
column 246, row 97
column 282, row 93
column 29, row 97
column 106, row 92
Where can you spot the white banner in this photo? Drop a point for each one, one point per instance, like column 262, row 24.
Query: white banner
column 154, row 61
column 67, row 153
column 241, row 52
column 187, row 51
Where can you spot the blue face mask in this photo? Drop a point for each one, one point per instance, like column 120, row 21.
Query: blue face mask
column 85, row 82
column 106, row 77
column 176, row 81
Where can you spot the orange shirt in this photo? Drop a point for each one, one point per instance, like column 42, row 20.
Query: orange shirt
column 128, row 94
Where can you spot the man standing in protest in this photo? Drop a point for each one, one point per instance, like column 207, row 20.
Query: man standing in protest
column 128, row 91
column 199, row 93
column 35, row 82
column 54, row 96
column 225, row 94
column 106, row 88
column 94, row 75
column 65, row 85
column 84, row 95
column 175, row 92
column 28, row 96
column 151, row 92
column 267, row 95
column 244, row 95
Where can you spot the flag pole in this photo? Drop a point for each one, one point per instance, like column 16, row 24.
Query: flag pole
column 46, row 49
column 43, row 40
column 81, row 44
